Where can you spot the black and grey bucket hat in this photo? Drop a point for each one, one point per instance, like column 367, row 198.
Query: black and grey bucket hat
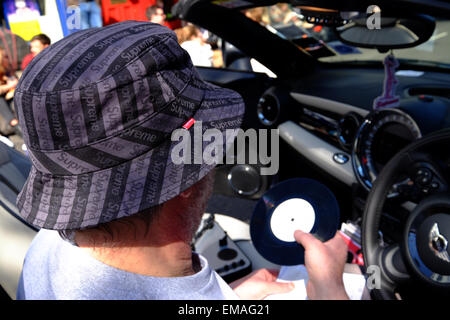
column 97, row 110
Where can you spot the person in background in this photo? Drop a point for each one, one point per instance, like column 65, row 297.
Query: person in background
column 195, row 44
column 259, row 15
column 281, row 14
column 91, row 14
column 37, row 44
column 8, row 83
column 156, row 14
column 181, row 34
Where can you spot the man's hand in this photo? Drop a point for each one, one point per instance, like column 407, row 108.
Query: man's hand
column 12, row 82
column 259, row 284
column 325, row 263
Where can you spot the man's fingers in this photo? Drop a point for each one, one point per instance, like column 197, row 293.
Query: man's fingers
column 271, row 274
column 279, row 287
column 311, row 243
column 307, row 240
column 338, row 242
column 341, row 246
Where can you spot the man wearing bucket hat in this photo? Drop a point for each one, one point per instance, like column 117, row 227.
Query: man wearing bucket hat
column 116, row 214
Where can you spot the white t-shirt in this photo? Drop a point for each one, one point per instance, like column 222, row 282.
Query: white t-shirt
column 201, row 55
column 56, row 269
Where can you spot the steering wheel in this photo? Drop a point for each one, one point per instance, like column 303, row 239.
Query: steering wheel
column 418, row 178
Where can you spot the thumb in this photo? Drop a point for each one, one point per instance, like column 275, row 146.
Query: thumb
column 307, row 240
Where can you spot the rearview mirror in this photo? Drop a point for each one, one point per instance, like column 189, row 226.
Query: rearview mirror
column 390, row 33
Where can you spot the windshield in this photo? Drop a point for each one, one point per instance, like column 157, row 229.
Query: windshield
column 322, row 43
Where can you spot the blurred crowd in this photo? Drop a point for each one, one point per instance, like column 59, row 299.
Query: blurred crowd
column 13, row 61
column 191, row 38
column 10, row 72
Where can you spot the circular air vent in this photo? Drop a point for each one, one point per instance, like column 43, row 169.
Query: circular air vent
column 244, row 180
column 268, row 109
column 348, row 128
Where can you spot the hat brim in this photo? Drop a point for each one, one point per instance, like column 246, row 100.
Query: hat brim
column 89, row 199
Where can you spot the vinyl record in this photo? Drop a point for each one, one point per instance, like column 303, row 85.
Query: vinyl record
column 290, row 205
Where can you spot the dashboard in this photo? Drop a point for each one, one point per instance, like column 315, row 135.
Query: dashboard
column 322, row 119
column 350, row 143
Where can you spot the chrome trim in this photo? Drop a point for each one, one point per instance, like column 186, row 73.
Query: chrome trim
column 420, row 265
column 365, row 175
column 247, row 168
column 356, row 164
column 260, row 111
column 327, row 105
column 438, row 243
column 415, row 260
column 317, row 151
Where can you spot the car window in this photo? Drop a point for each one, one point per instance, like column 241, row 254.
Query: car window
column 208, row 50
column 434, row 51
column 322, row 43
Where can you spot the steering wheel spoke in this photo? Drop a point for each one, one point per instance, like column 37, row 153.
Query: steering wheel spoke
column 401, row 188
column 393, row 265
column 386, row 273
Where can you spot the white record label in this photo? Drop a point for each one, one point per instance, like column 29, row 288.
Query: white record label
column 291, row 215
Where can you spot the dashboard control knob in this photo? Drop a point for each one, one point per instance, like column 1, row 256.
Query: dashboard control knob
column 223, row 242
column 424, row 176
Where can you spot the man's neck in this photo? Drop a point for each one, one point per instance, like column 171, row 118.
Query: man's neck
column 163, row 251
column 171, row 260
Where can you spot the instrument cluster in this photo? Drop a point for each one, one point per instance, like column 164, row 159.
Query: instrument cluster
column 382, row 134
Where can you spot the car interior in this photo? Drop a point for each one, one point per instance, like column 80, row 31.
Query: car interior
column 388, row 166
column 322, row 103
